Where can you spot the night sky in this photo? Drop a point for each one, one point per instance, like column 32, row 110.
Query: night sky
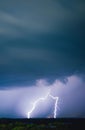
column 42, row 48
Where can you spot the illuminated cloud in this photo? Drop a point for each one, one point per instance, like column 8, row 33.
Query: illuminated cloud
column 19, row 101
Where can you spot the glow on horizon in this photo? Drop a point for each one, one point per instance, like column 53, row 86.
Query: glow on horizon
column 23, row 102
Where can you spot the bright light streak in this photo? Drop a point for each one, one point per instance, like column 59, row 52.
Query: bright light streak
column 56, row 104
column 35, row 103
column 43, row 99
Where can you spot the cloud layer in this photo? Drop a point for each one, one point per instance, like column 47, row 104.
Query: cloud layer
column 17, row 102
column 41, row 39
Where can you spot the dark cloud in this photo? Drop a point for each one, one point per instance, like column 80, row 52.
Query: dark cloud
column 42, row 39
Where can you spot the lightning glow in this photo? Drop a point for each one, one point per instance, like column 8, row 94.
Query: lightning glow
column 43, row 99
column 56, row 104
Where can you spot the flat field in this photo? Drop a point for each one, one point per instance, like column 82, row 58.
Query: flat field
column 42, row 124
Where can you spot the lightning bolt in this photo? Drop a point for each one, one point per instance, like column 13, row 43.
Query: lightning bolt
column 43, row 99
column 56, row 104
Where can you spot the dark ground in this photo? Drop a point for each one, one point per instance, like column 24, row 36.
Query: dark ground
column 42, row 124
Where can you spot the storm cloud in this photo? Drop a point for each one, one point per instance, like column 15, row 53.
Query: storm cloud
column 41, row 39
column 17, row 102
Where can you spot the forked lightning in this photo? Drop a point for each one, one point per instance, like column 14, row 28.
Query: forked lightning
column 43, row 99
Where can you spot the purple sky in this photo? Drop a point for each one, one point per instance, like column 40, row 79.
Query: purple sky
column 42, row 47
column 17, row 102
